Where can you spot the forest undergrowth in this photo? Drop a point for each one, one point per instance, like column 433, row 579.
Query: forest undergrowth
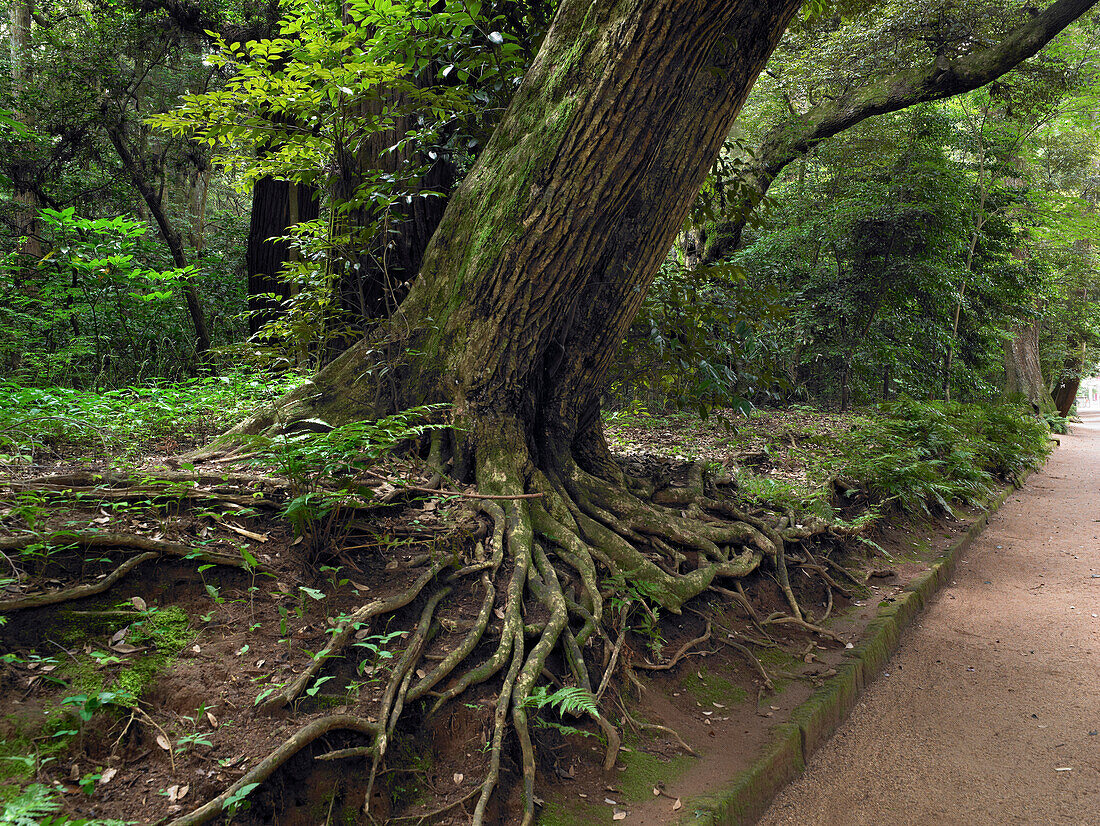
column 309, row 627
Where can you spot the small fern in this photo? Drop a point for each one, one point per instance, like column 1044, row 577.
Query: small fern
column 568, row 700
column 30, row 807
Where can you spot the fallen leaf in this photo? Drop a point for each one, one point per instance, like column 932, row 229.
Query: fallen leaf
column 126, row 648
column 107, row 776
column 183, row 792
column 162, row 741
column 120, row 635
column 212, row 720
column 610, row 802
column 458, row 777
column 359, row 587
column 139, row 603
column 619, row 815
column 173, row 793
column 677, row 805
column 656, row 792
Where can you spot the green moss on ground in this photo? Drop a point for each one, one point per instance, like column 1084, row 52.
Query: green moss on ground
column 709, row 688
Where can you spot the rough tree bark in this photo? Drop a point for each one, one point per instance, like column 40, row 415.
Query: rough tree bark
column 276, row 206
column 1023, row 374
column 940, row 79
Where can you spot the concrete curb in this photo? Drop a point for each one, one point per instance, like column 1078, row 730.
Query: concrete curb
column 815, row 720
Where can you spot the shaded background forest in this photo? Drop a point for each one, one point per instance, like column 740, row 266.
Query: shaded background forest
column 190, row 187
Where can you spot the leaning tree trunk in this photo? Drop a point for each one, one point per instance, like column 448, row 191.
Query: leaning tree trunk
column 1065, row 391
column 526, row 290
column 940, row 78
column 547, row 249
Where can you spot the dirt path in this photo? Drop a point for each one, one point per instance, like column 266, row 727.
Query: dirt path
column 989, row 711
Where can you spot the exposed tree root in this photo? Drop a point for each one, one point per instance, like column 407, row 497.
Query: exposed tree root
column 569, row 541
column 153, row 549
column 264, row 769
column 679, row 655
column 10, row 606
column 344, row 633
column 157, row 494
column 101, row 478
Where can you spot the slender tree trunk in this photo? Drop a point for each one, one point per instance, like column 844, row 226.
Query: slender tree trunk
column 168, row 232
column 26, row 218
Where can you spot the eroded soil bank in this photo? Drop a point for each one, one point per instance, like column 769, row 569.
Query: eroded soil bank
column 989, row 711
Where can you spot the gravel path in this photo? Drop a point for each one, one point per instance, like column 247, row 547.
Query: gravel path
column 989, row 711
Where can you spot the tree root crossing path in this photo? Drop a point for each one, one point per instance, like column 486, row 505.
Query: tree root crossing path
column 989, row 712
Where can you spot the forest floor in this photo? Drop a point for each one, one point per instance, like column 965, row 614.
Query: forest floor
column 140, row 703
column 989, row 711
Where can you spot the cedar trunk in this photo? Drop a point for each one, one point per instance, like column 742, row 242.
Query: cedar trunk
column 1023, row 375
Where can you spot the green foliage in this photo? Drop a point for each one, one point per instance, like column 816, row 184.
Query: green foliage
column 566, row 700
column 34, row 419
column 36, row 805
column 359, row 100
column 98, row 306
column 920, row 457
column 30, row 807
column 86, row 705
column 695, row 344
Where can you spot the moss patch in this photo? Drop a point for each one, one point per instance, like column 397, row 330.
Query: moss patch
column 562, row 813
column 644, row 771
column 710, row 688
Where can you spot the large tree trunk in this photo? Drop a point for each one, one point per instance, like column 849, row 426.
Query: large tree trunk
column 276, row 207
column 1023, row 375
column 526, row 290
column 547, row 249
column 390, row 260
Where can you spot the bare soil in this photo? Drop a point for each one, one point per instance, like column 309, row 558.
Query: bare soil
column 196, row 729
column 989, row 711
